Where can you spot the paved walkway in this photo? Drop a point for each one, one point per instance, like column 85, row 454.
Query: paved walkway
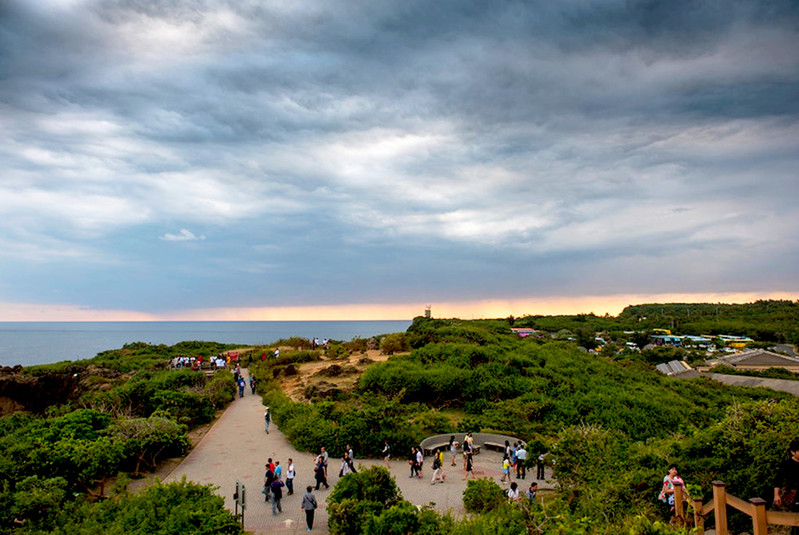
column 782, row 385
column 237, row 446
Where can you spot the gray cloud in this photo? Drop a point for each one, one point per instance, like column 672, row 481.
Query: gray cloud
column 374, row 151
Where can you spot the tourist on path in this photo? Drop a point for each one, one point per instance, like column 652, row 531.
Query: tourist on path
column 521, row 462
column 269, row 477
column 253, row 382
column 322, row 458
column 540, row 466
column 267, row 419
column 319, row 475
column 419, row 462
column 351, row 459
column 277, row 495
column 469, row 466
column 513, row 492
column 505, row 468
column 278, row 470
column 412, row 461
column 290, row 478
column 309, row 506
column 242, row 384
column 453, row 448
column 438, row 468
column 387, row 455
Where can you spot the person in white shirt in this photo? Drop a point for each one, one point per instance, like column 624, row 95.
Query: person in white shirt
column 513, row 492
column 290, row 478
column 521, row 461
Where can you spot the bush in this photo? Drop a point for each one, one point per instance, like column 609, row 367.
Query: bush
column 393, row 343
column 483, row 495
column 180, row 507
column 359, row 497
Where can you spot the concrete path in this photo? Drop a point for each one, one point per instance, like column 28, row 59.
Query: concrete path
column 782, row 385
column 237, row 447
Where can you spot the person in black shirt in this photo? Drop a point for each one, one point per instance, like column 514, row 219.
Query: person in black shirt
column 786, row 484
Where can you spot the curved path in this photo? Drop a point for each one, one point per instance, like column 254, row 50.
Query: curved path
column 236, row 447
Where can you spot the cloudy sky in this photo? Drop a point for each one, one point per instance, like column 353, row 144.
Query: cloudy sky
column 308, row 159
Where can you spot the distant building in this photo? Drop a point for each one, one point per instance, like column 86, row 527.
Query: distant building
column 667, row 340
column 676, row 367
column 524, row 332
column 756, row 359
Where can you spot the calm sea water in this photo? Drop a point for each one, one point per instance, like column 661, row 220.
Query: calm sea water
column 30, row 343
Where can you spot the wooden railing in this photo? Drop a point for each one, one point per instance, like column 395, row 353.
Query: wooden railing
column 755, row 508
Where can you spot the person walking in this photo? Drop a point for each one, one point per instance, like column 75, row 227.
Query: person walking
column 469, row 466
column 322, row 458
column 277, row 495
column 387, row 455
column 540, row 466
column 290, row 478
column 309, row 506
column 438, row 468
column 320, row 475
column 351, row 460
column 267, row 419
column 505, row 468
column 453, row 448
column 521, row 461
column 412, row 461
column 253, row 382
column 419, row 462
column 345, row 466
column 269, row 477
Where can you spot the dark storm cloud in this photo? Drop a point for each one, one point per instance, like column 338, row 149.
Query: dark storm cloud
column 378, row 151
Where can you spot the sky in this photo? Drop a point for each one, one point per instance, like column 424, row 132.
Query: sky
column 308, row 159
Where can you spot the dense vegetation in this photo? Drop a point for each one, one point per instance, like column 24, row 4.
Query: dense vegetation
column 612, row 423
column 766, row 320
column 128, row 414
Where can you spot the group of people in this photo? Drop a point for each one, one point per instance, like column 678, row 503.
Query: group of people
column 241, row 383
column 515, row 494
column 198, row 362
column 273, row 490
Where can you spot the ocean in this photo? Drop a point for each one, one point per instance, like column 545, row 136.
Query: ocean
column 31, row 343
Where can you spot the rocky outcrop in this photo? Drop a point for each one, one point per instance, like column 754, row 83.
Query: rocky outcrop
column 21, row 391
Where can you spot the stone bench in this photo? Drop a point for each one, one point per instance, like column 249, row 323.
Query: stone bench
column 495, row 446
column 492, row 441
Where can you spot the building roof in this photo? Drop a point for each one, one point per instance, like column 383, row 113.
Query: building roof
column 673, row 367
column 756, row 357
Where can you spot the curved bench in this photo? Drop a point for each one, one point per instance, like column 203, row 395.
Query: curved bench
column 485, row 440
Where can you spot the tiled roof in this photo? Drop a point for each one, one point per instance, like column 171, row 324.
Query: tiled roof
column 756, row 357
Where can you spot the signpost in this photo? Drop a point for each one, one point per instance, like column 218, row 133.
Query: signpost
column 240, row 498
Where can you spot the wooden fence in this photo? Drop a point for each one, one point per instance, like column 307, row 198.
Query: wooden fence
column 755, row 508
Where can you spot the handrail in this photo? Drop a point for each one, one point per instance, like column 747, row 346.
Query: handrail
column 755, row 508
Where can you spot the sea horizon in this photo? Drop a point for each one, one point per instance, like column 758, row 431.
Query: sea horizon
column 29, row 343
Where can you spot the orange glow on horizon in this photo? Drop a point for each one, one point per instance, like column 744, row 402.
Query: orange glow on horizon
column 494, row 308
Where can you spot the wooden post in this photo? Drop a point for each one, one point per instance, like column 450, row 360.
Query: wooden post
column 720, row 507
column 759, row 523
column 679, row 510
column 699, row 515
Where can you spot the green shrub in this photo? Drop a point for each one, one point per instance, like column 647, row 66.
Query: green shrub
column 359, row 497
column 483, row 495
column 179, row 507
